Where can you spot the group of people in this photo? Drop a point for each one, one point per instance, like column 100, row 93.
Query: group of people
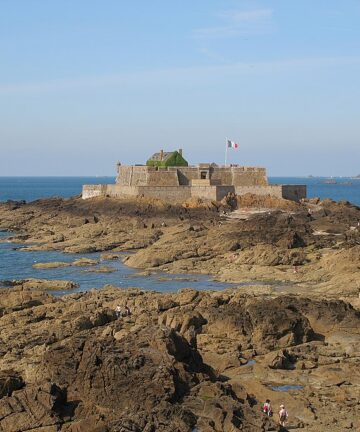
column 283, row 414
column 122, row 313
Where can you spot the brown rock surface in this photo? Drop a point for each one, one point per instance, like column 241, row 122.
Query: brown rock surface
column 190, row 360
column 182, row 361
column 40, row 284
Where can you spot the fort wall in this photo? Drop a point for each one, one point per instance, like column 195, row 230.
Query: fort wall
column 177, row 184
column 294, row 192
column 213, row 193
column 92, row 191
column 183, row 176
column 166, row 178
column 289, row 192
column 187, row 174
column 167, row 193
column 132, row 175
column 182, row 193
column 249, row 176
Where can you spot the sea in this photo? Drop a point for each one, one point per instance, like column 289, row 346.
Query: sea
column 16, row 264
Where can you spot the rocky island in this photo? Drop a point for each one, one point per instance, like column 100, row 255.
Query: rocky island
column 187, row 361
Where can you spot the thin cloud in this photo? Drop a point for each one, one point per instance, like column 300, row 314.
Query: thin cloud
column 248, row 16
column 190, row 75
column 239, row 23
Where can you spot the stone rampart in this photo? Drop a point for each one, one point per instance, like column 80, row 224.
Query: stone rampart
column 248, row 176
column 183, row 176
column 118, row 191
column 187, row 174
column 206, row 182
column 176, row 184
column 133, row 175
column 182, row 193
column 294, row 192
column 290, row 192
column 162, row 178
column 213, row 193
column 92, row 191
column 166, row 193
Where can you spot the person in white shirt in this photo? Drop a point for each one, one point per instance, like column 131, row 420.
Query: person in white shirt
column 118, row 311
column 283, row 415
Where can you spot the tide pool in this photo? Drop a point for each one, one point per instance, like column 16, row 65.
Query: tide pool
column 16, row 264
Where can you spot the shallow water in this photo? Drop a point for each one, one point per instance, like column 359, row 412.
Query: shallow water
column 16, row 264
column 286, row 388
column 250, row 363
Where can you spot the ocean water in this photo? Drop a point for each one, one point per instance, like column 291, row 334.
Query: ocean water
column 336, row 188
column 16, row 264
column 32, row 188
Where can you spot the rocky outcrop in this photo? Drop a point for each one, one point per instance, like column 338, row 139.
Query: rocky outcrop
column 259, row 245
column 189, row 360
column 179, row 362
column 71, row 372
column 40, row 284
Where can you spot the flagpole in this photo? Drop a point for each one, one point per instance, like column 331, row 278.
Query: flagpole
column 226, row 150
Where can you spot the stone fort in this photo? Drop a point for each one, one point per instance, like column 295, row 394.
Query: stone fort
column 168, row 176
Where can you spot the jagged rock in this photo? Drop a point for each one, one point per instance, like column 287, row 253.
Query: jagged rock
column 9, row 382
column 282, row 360
column 43, row 284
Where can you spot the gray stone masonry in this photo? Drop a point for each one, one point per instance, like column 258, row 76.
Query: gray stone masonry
column 177, row 184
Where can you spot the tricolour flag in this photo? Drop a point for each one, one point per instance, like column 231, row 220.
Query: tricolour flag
column 232, row 144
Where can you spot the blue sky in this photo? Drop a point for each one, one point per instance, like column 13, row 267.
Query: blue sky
column 86, row 83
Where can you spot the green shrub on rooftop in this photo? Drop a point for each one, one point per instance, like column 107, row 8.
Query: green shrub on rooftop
column 174, row 160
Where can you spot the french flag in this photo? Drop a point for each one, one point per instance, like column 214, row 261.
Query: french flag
column 232, row 144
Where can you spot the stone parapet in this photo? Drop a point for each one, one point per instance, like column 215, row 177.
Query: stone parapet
column 184, row 176
column 92, row 191
column 289, row 192
column 206, row 182
column 182, row 193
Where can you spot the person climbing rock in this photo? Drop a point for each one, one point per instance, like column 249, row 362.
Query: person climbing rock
column 266, row 408
column 118, row 311
column 283, row 415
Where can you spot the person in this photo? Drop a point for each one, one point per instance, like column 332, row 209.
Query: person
column 127, row 311
column 118, row 311
column 266, row 408
column 283, row 415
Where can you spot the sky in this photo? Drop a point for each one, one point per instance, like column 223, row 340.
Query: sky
column 87, row 83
